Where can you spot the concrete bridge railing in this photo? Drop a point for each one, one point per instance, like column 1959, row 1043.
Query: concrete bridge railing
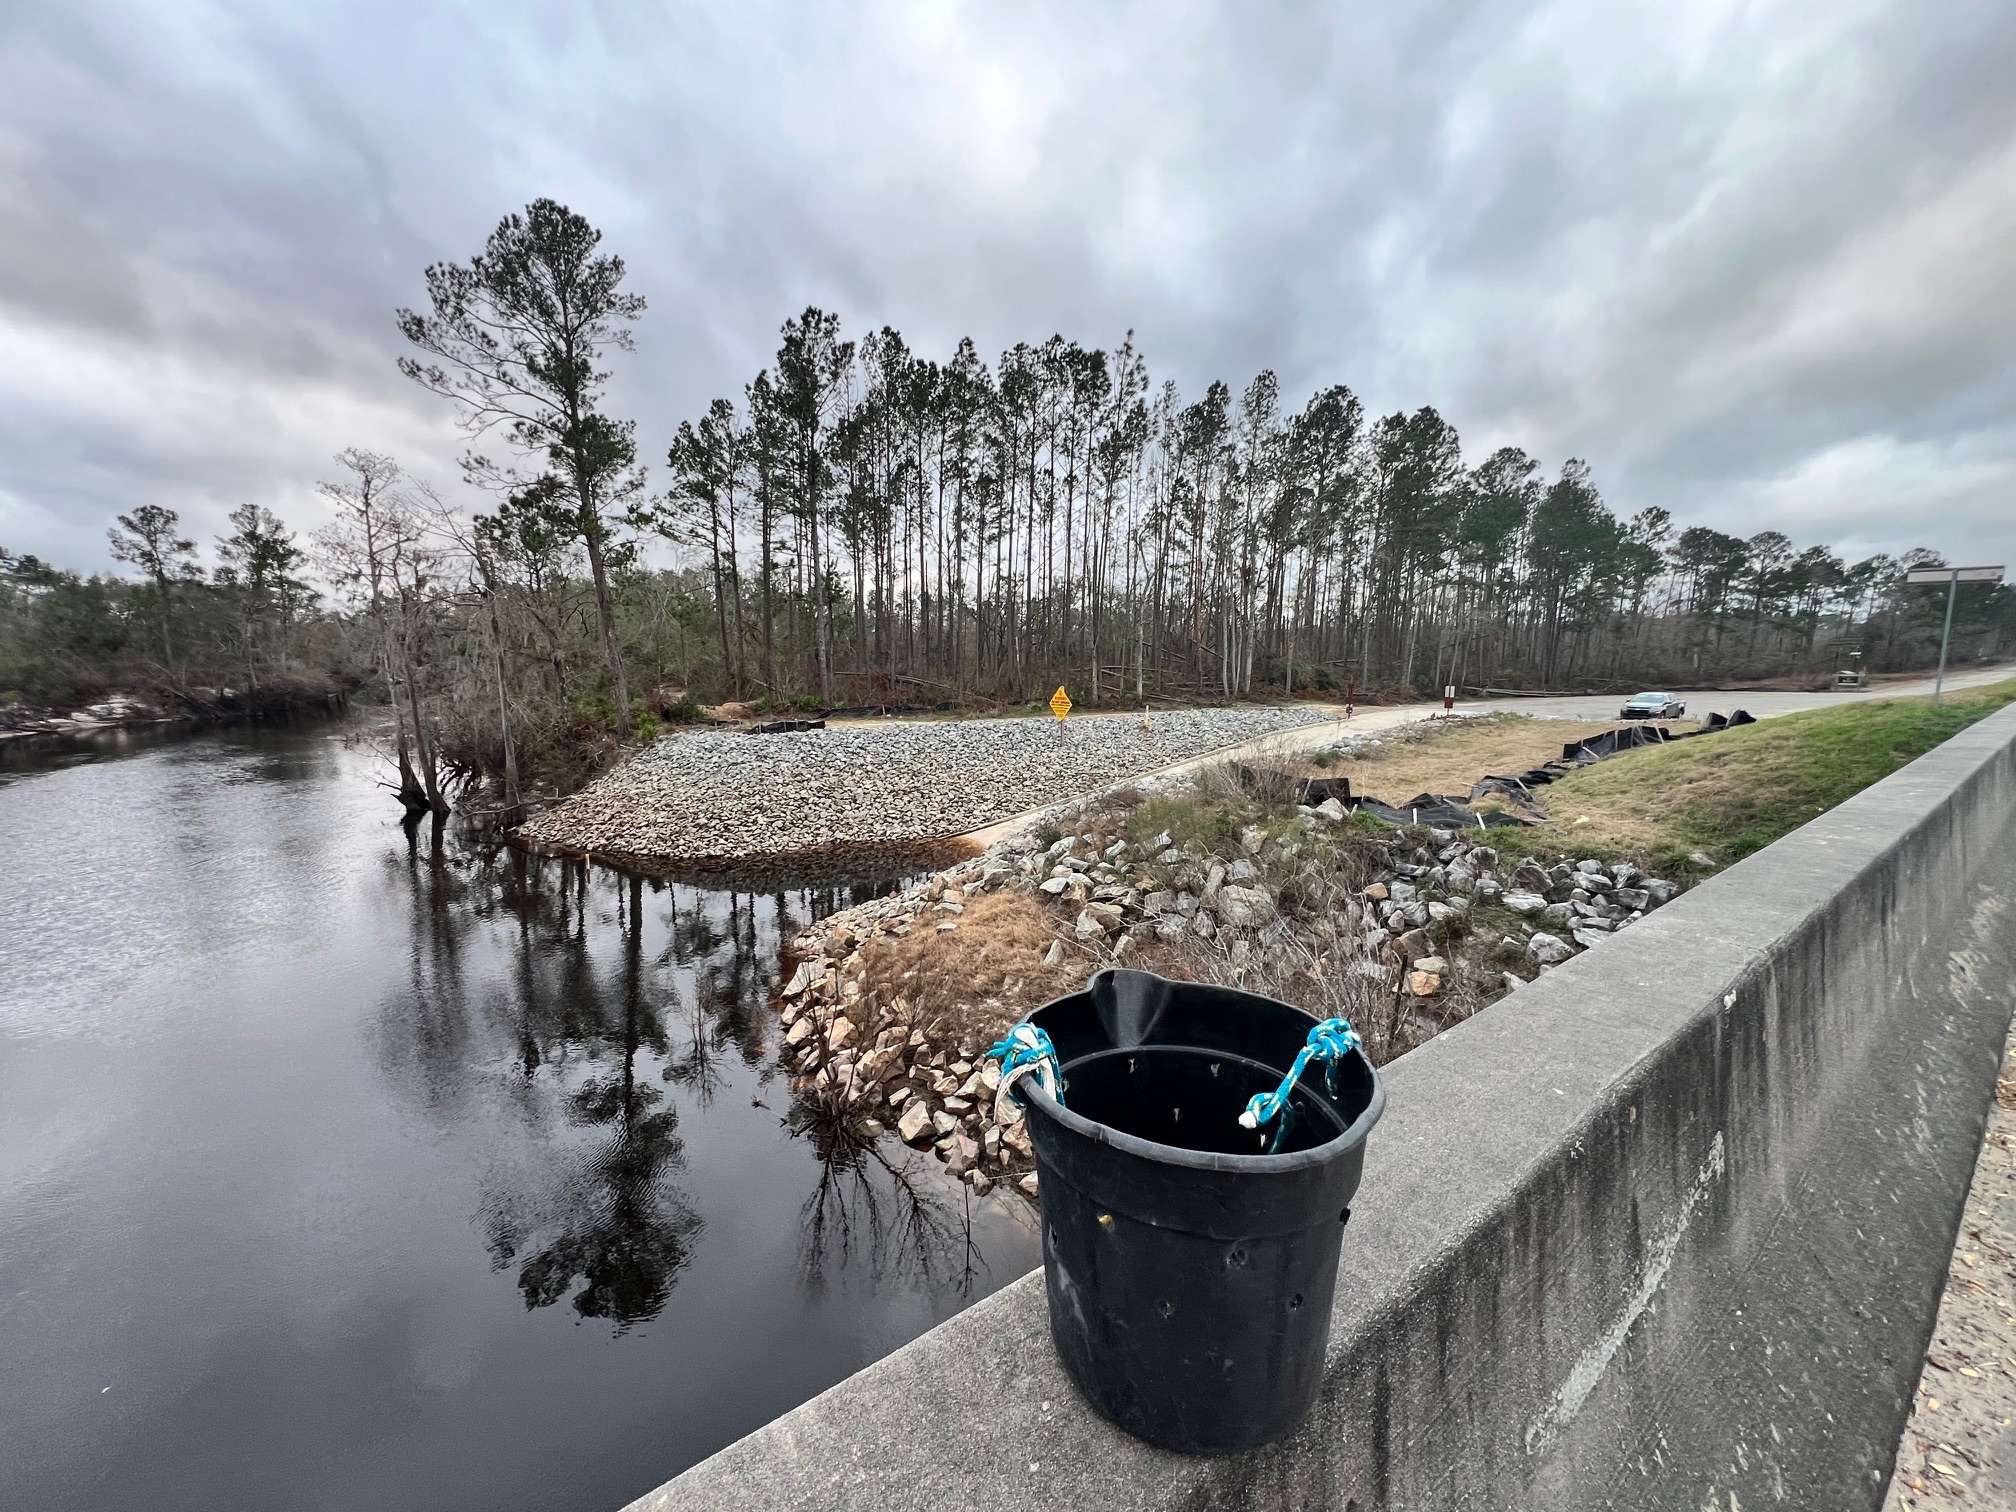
column 1665, row 1230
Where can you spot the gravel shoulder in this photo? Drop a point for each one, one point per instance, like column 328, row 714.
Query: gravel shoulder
column 1960, row 1444
column 716, row 798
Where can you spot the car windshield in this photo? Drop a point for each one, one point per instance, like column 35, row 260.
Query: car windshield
column 1650, row 698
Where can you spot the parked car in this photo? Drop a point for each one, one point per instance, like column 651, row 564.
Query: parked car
column 1652, row 706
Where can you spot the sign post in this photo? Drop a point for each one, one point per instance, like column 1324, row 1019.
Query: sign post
column 1952, row 577
column 1060, row 704
column 1448, row 697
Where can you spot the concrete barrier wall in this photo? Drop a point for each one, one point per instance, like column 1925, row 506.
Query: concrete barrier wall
column 1666, row 1229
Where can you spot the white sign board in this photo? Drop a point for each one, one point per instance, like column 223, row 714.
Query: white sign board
column 1954, row 575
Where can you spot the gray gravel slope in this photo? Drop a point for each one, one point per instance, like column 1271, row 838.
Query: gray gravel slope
column 712, row 796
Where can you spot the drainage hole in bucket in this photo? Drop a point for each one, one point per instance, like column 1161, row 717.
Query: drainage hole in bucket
column 1345, row 1216
column 1236, row 1258
column 1294, row 1301
column 1166, row 1308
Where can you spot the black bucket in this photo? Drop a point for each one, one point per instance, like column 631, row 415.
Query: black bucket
column 1190, row 1274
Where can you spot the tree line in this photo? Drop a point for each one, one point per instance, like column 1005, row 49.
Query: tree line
column 866, row 525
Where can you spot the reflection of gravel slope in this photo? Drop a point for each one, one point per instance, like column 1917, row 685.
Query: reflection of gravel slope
column 714, row 795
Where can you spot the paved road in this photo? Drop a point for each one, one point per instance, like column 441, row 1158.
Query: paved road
column 1761, row 704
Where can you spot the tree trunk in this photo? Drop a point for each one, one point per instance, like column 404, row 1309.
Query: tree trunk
column 605, row 612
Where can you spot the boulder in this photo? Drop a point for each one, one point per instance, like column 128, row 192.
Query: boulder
column 1525, row 902
column 1549, row 950
column 1244, row 907
column 1096, row 920
column 912, row 1125
column 1331, row 809
column 964, row 1155
column 1423, row 983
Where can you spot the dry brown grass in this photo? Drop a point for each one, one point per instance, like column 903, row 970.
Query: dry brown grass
column 1448, row 757
column 967, row 985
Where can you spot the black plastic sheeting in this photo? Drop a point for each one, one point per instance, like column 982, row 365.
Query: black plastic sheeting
column 1446, row 812
column 1309, row 791
column 1435, row 809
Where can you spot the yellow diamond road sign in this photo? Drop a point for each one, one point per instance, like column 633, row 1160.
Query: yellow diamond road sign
column 1060, row 703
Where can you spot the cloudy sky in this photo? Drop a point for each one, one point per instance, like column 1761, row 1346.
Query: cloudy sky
column 1755, row 262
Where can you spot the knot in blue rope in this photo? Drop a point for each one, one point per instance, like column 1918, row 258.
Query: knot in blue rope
column 1025, row 1051
column 1329, row 1042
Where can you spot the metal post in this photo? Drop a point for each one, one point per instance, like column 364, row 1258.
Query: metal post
column 1952, row 592
column 1952, row 577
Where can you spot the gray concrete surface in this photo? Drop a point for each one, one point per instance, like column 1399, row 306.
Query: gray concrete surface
column 1665, row 1230
column 1960, row 1444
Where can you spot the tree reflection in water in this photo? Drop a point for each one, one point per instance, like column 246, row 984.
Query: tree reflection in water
column 616, row 990
column 892, row 1219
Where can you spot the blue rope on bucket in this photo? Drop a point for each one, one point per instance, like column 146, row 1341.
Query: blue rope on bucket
column 1026, row 1051
column 1329, row 1042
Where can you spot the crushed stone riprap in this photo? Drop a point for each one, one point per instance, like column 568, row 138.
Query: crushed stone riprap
column 710, row 797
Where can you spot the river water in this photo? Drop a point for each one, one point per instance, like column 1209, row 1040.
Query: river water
column 346, row 1167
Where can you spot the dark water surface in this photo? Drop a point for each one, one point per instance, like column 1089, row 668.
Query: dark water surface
column 346, row 1169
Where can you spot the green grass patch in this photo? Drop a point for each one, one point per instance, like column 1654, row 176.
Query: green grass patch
column 1733, row 793
column 1194, row 822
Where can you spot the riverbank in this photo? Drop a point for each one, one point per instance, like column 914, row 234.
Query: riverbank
column 891, row 1005
column 1219, row 875
column 132, row 710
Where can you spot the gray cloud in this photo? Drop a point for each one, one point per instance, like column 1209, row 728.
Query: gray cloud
column 1750, row 261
